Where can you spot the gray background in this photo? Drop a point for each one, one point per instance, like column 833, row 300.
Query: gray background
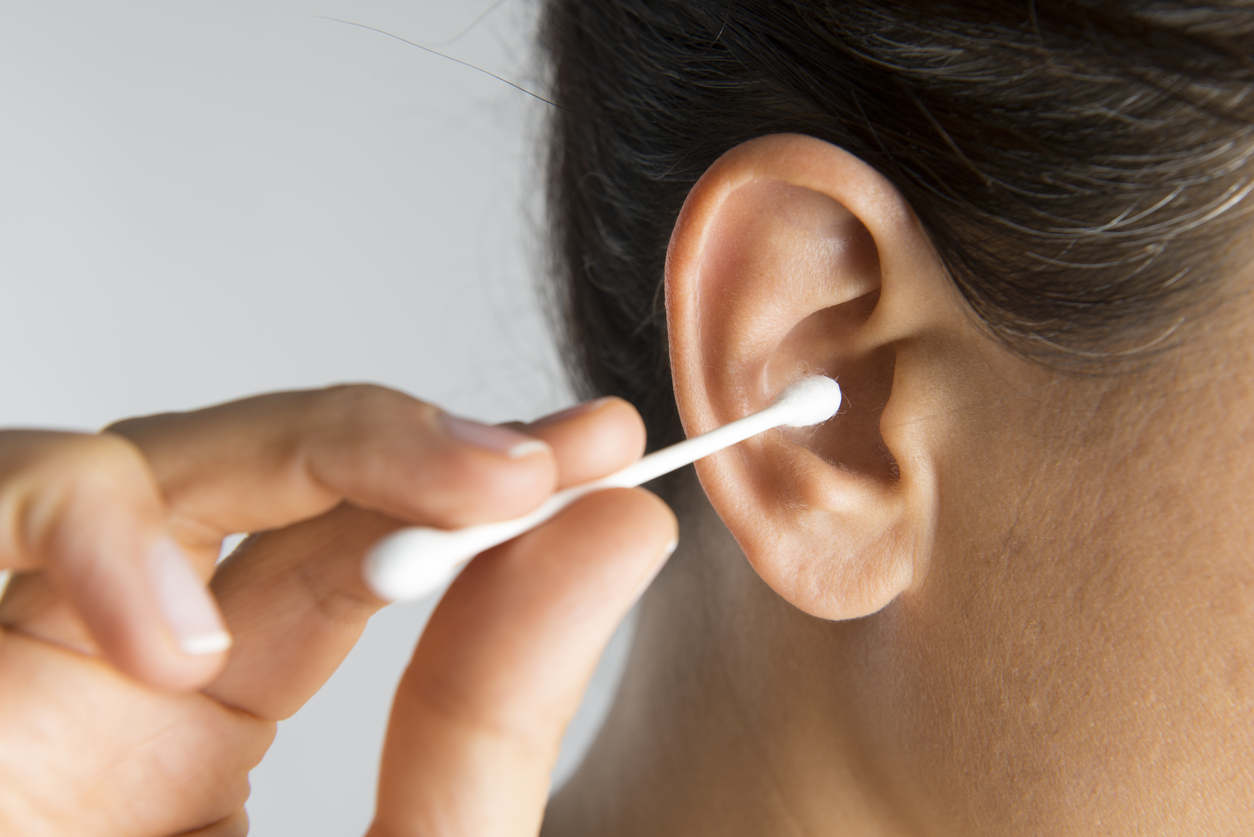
column 203, row 200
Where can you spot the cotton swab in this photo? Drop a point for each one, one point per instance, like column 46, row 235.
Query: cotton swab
column 415, row 561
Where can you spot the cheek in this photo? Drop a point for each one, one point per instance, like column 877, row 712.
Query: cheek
column 1084, row 642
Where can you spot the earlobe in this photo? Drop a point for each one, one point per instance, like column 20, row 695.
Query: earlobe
column 793, row 257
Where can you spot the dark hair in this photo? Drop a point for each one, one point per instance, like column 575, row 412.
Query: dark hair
column 1071, row 161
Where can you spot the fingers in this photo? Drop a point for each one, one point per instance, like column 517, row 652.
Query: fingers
column 501, row 667
column 97, row 512
column 269, row 461
column 87, row 511
column 296, row 604
column 592, row 439
column 295, row 599
column 84, row 744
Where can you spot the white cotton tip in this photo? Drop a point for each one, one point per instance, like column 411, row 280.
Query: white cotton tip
column 414, row 562
column 809, row 401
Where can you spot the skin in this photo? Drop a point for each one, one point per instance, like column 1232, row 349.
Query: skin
column 988, row 599
column 108, row 728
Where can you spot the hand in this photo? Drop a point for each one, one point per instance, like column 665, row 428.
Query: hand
column 107, row 635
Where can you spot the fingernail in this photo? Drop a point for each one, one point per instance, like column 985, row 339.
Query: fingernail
column 667, row 552
column 572, row 412
column 189, row 609
column 513, row 444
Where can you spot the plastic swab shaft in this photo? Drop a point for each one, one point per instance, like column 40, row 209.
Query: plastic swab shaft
column 415, row 561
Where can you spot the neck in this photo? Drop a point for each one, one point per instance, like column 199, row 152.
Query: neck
column 729, row 720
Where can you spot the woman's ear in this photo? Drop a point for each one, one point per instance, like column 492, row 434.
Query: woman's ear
column 792, row 257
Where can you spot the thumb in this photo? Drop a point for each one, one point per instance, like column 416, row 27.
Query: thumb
column 500, row 670
column 83, row 514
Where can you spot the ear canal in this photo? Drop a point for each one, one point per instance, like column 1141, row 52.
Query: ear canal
column 853, row 441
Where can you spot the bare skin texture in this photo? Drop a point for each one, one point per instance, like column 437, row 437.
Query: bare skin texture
column 988, row 599
column 108, row 726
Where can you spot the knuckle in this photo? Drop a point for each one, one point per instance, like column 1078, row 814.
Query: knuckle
column 352, row 404
column 104, row 464
column 371, row 421
column 108, row 451
column 72, row 465
column 64, row 477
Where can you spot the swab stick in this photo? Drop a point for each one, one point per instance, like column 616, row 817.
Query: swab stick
column 412, row 562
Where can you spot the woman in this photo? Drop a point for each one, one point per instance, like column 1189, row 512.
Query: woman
column 1009, row 591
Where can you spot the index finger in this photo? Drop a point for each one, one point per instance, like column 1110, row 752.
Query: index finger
column 271, row 460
